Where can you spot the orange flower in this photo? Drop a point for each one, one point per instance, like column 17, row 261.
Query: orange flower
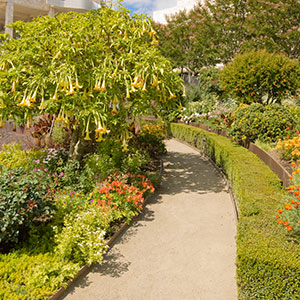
column 296, row 194
column 290, row 177
column 280, row 221
column 289, row 228
column 288, row 207
column 293, row 202
column 286, row 223
column 299, row 221
column 280, row 211
column 278, row 216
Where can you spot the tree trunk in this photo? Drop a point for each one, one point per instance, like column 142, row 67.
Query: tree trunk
column 78, row 146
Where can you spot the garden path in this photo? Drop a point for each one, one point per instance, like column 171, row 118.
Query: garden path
column 182, row 247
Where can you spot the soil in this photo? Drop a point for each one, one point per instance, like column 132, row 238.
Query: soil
column 8, row 136
column 286, row 164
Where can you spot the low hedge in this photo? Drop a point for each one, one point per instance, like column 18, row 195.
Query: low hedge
column 268, row 264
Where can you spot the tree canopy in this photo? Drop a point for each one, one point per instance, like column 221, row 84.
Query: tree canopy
column 214, row 32
column 94, row 71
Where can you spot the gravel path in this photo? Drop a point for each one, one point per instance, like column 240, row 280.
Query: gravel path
column 181, row 248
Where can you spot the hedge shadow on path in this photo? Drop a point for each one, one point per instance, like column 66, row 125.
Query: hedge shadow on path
column 190, row 173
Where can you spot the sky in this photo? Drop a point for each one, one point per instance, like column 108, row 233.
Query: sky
column 148, row 6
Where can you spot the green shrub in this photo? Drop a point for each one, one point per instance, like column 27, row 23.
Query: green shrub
column 111, row 158
column 268, row 265
column 26, row 197
column 266, row 123
column 82, row 239
column 12, row 156
column 260, row 76
column 33, row 276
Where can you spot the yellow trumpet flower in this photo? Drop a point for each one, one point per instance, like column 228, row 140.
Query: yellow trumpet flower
column 42, row 105
column 156, row 82
column 135, row 82
column 154, row 41
column 77, row 86
column 97, row 86
column 13, row 88
column 71, row 91
column 127, row 93
column 171, row 96
column 144, row 87
column 100, row 138
column 152, row 32
column 87, row 136
column 103, row 88
column 33, row 97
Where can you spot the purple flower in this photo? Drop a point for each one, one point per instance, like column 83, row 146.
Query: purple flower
column 35, row 169
column 61, row 174
column 37, row 161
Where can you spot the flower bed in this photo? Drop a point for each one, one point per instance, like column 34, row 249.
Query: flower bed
column 57, row 214
column 268, row 265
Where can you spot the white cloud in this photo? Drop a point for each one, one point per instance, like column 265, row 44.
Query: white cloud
column 158, row 4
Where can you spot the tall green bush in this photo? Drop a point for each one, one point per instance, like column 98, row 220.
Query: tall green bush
column 259, row 76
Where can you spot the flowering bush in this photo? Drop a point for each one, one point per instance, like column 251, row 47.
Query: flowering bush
column 290, row 147
column 266, row 123
column 124, row 193
column 151, row 137
column 289, row 215
column 257, row 75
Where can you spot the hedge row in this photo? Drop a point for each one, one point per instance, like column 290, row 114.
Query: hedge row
column 268, row 264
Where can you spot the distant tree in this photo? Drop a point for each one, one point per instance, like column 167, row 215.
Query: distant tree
column 218, row 30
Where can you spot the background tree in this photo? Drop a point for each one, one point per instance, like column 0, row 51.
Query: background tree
column 96, row 72
column 218, row 30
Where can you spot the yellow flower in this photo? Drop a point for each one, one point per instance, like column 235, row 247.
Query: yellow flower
column 171, row 96
column 13, row 88
column 71, row 91
column 87, row 136
column 154, row 41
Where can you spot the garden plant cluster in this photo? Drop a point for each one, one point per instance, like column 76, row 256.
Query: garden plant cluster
column 81, row 83
column 57, row 214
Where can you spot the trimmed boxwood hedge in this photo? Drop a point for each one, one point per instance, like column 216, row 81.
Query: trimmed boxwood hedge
column 268, row 258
